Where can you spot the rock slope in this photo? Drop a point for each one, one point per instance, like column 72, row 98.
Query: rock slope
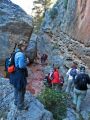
column 8, row 110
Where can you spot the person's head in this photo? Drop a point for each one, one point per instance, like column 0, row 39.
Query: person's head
column 56, row 68
column 74, row 65
column 82, row 69
column 22, row 45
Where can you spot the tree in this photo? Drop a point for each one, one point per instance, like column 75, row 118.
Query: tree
column 39, row 12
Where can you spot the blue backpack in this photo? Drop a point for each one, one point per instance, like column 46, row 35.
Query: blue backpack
column 73, row 72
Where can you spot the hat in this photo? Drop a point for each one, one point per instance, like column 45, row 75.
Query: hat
column 82, row 68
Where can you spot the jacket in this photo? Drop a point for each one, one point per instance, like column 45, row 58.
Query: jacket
column 56, row 78
column 20, row 59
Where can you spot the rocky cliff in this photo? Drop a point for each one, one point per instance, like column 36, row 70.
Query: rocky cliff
column 71, row 17
column 15, row 25
column 77, row 20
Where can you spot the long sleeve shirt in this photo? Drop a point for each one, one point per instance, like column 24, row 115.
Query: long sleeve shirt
column 20, row 60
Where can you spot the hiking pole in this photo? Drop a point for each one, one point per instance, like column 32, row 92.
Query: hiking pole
column 14, row 47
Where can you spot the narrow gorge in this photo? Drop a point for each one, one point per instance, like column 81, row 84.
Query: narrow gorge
column 60, row 29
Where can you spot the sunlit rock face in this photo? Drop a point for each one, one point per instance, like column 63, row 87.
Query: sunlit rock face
column 83, row 27
column 78, row 15
column 15, row 25
column 79, row 27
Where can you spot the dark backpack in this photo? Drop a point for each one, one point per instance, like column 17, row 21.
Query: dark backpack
column 10, row 60
column 10, row 63
column 73, row 72
column 82, row 82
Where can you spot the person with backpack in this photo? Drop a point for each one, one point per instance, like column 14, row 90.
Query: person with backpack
column 80, row 88
column 56, row 81
column 48, row 79
column 44, row 58
column 71, row 74
column 18, row 77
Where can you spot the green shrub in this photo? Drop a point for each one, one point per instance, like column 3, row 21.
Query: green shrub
column 53, row 12
column 56, row 46
column 56, row 102
column 38, row 24
column 65, row 3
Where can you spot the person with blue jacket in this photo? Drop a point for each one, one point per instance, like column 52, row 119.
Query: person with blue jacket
column 18, row 78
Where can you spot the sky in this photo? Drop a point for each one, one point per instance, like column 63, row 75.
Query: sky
column 25, row 4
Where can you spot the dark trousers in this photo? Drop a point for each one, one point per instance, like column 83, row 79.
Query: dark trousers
column 19, row 97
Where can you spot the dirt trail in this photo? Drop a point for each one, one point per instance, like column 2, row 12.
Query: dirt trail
column 35, row 78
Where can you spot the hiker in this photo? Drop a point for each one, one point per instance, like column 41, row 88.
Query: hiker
column 56, row 81
column 48, row 79
column 80, row 88
column 71, row 74
column 18, row 78
column 44, row 58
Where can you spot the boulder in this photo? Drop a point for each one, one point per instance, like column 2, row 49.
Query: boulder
column 31, row 51
column 15, row 25
column 36, row 110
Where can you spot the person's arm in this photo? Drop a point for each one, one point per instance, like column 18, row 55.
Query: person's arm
column 68, row 73
column 22, row 61
column 77, row 78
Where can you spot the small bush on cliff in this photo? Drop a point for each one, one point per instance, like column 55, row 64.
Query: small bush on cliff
column 65, row 3
column 38, row 24
column 55, row 102
column 54, row 13
column 55, row 46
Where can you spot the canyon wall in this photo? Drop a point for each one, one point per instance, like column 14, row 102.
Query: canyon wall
column 71, row 17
